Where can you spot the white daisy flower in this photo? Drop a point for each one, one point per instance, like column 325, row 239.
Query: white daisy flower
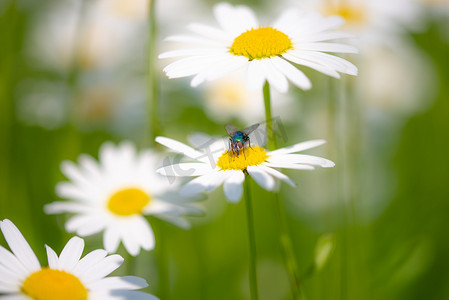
column 115, row 194
column 265, row 52
column 215, row 165
column 68, row 276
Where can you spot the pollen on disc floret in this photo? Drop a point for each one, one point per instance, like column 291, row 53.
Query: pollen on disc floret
column 128, row 202
column 50, row 284
column 248, row 156
column 262, row 42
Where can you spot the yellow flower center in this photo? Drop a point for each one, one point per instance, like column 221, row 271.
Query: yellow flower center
column 49, row 284
column 128, row 202
column 246, row 157
column 354, row 14
column 263, row 42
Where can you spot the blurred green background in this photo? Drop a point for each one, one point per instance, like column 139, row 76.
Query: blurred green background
column 386, row 202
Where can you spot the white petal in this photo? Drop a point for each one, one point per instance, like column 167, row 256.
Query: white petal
column 159, row 207
column 181, row 148
column 177, row 221
column 185, row 169
column 235, row 20
column 111, row 239
column 298, row 147
column 327, row 47
column 9, row 261
column 205, row 183
column 62, row 207
column 302, row 159
column 91, row 226
column 70, row 191
column 107, row 156
column 209, row 32
column 19, row 246
column 339, row 64
column 318, row 67
column 278, row 175
column 120, row 295
column 255, row 77
column 190, row 39
column 89, row 166
column 274, row 77
column 192, row 65
column 292, row 73
column 88, row 261
column 9, row 288
column 52, row 258
column 119, row 283
column 289, row 166
column 15, row 297
column 71, row 254
column 261, row 177
column 102, row 269
column 129, row 240
column 191, row 52
column 324, row 36
column 144, row 233
column 71, row 171
column 287, row 20
column 328, row 23
column 221, row 67
column 233, row 188
column 8, row 277
column 82, row 224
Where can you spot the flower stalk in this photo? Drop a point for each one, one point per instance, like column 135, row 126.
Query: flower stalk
column 269, row 117
column 252, row 243
column 153, row 89
column 284, row 236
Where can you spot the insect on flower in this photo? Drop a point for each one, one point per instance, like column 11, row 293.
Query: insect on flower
column 238, row 138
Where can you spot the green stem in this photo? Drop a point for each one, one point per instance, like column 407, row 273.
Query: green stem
column 288, row 253
column 162, row 260
column 252, row 243
column 153, row 87
column 269, row 117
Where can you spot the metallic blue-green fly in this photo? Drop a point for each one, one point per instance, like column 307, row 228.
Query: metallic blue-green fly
column 238, row 138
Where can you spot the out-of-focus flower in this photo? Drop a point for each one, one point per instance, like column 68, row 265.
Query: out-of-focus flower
column 216, row 165
column 392, row 84
column 87, row 35
column 85, row 46
column 227, row 98
column 67, row 277
column 114, row 195
column 379, row 22
column 267, row 53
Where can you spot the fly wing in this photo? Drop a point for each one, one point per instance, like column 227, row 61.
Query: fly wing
column 231, row 129
column 250, row 129
column 259, row 136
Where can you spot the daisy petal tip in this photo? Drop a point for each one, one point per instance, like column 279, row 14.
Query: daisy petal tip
column 291, row 183
column 234, row 199
column 329, row 164
column 118, row 259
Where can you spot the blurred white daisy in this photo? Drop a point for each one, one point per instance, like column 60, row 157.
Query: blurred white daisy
column 68, row 276
column 266, row 52
column 379, row 22
column 228, row 98
column 215, row 165
column 97, row 35
column 114, row 195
